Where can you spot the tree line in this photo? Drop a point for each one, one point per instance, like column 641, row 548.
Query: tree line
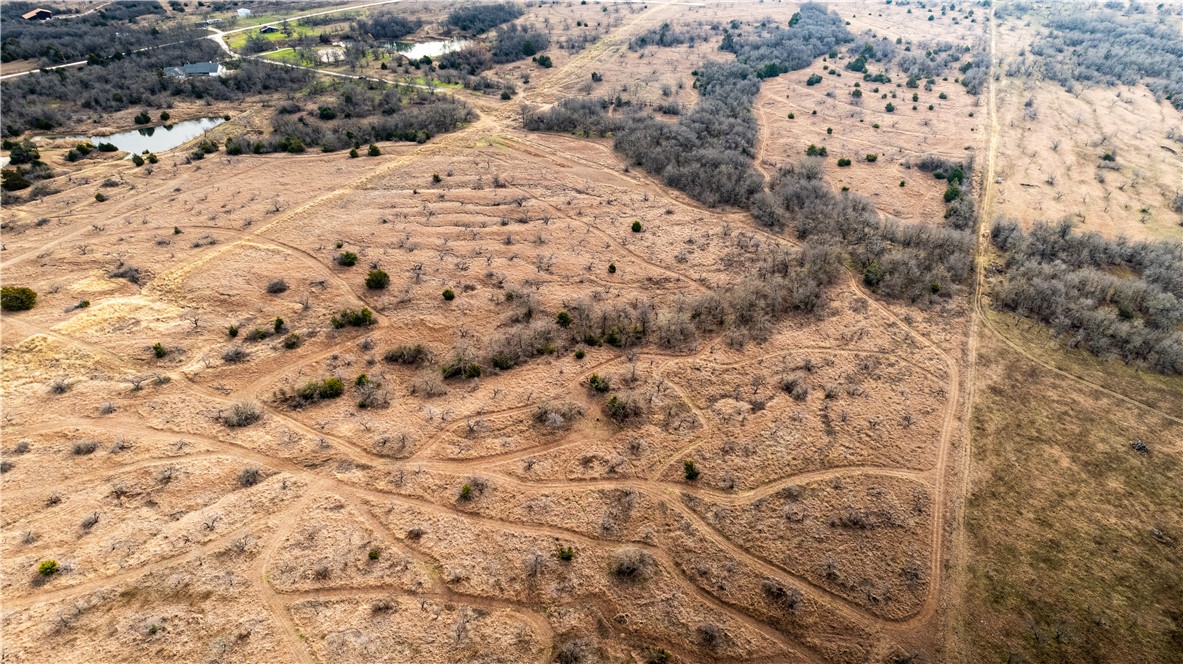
column 96, row 36
column 480, row 19
column 344, row 114
column 1113, row 298
column 919, row 263
column 1096, row 46
column 384, row 27
column 785, row 281
column 771, row 50
column 64, row 97
column 351, row 115
column 708, row 153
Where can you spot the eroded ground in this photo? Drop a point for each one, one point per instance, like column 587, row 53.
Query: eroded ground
column 817, row 531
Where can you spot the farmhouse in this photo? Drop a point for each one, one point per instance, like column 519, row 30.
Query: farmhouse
column 37, row 15
column 195, row 70
column 243, row 13
column 268, row 29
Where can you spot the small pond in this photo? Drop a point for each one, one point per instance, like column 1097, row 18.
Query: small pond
column 432, row 49
column 156, row 139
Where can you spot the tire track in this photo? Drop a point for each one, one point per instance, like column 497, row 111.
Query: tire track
column 856, row 612
column 19, row 603
column 574, row 536
column 295, row 640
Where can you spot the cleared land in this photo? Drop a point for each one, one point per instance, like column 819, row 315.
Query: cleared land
column 1107, row 156
column 876, row 482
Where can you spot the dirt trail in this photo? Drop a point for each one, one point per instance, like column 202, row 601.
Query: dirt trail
column 297, row 647
column 575, row 68
column 616, row 243
column 762, row 144
column 958, row 555
column 633, row 177
column 576, row 537
column 956, row 389
column 44, row 596
column 496, row 124
column 980, row 320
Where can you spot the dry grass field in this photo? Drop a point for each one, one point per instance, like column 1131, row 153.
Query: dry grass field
column 1051, row 157
column 225, row 469
column 1069, row 548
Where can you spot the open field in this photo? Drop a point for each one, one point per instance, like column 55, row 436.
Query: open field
column 238, row 39
column 1069, row 544
column 596, row 486
column 1052, row 153
column 529, row 442
column 1086, row 566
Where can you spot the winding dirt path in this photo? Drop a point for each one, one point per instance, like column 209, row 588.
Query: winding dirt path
column 297, row 648
column 497, row 125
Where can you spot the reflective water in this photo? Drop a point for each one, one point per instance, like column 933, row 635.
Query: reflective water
column 432, row 49
column 156, row 139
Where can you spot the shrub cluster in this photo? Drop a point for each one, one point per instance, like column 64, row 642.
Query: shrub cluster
column 385, row 27
column 241, row 414
column 478, row 19
column 460, row 367
column 913, row 262
column 313, row 391
column 519, row 344
column 27, row 169
column 377, row 280
column 772, row 50
column 666, row 35
column 516, row 42
column 1079, row 46
column 17, row 298
column 584, row 116
column 633, row 565
column 353, row 318
column 409, row 355
column 558, row 414
column 623, row 407
column 708, row 153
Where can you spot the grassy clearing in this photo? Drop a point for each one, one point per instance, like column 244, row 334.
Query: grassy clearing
column 238, row 39
column 419, row 80
column 1075, row 541
column 1162, row 392
column 287, row 55
column 260, row 19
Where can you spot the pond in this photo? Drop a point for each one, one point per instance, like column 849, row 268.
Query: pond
column 156, row 139
column 432, row 49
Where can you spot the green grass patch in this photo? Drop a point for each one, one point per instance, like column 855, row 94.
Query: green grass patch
column 238, row 39
column 288, row 56
column 419, row 80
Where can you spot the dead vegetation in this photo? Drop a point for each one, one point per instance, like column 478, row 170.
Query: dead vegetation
column 500, row 392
